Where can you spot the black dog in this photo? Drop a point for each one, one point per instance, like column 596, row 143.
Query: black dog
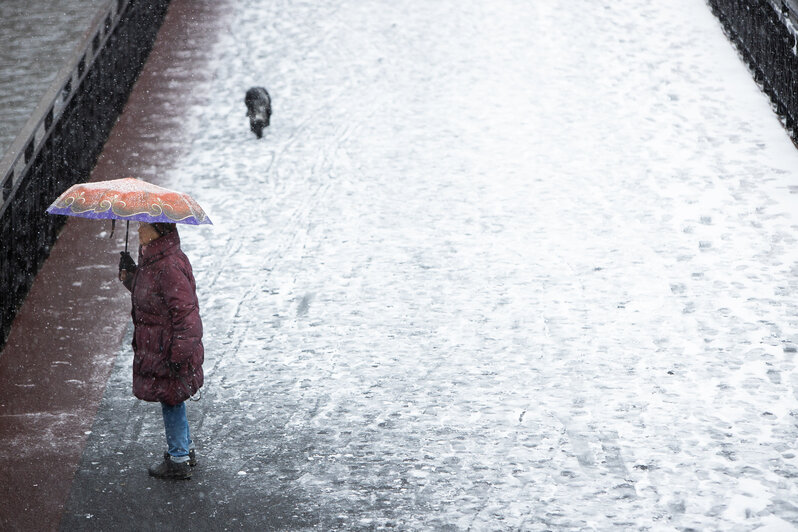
column 259, row 109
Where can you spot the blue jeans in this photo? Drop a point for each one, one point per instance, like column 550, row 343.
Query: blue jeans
column 178, row 437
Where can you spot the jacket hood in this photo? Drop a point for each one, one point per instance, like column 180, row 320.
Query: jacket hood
column 159, row 247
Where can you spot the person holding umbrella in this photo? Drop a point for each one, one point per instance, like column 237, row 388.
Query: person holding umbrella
column 167, row 336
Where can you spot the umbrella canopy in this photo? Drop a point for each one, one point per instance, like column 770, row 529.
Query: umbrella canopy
column 129, row 199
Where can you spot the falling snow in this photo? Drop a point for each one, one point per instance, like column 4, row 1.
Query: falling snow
column 494, row 265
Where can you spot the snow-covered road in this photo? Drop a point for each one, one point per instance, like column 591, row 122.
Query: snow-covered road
column 498, row 265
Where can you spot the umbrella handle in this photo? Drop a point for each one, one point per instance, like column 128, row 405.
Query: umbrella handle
column 127, row 229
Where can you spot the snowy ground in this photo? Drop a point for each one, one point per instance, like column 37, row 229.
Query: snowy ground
column 497, row 265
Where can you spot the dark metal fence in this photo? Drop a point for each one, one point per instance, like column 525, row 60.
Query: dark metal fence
column 764, row 31
column 59, row 145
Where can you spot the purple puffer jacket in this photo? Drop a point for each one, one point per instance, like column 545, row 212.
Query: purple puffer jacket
column 167, row 336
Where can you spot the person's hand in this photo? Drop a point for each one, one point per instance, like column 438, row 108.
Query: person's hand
column 126, row 262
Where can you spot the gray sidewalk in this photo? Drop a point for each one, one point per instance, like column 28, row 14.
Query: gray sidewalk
column 245, row 479
column 494, row 266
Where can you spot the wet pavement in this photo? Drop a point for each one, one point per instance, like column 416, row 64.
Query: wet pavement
column 61, row 349
column 502, row 266
column 36, row 39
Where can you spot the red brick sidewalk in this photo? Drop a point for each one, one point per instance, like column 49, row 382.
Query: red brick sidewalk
column 54, row 368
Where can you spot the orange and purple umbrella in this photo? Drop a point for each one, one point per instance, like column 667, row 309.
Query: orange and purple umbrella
column 129, row 199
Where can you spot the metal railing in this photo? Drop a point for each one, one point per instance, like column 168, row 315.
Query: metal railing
column 765, row 33
column 60, row 143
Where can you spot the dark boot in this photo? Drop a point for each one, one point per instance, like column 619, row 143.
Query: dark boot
column 192, row 457
column 171, row 470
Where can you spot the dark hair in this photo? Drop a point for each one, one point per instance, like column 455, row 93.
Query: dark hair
column 164, row 228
